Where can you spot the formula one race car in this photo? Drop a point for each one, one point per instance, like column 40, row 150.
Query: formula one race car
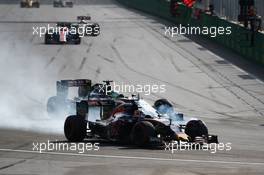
column 64, row 33
column 29, row 3
column 132, row 120
column 62, row 103
column 90, row 28
column 62, row 3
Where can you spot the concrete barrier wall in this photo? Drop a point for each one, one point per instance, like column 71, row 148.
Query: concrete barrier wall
column 239, row 41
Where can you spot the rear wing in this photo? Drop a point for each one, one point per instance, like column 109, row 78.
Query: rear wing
column 80, row 18
column 63, row 85
column 75, row 83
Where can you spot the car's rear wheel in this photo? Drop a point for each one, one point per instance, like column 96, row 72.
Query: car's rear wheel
column 53, row 104
column 75, row 128
column 196, row 128
column 142, row 132
column 57, row 105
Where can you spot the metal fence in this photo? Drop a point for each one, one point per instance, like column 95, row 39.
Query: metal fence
column 229, row 9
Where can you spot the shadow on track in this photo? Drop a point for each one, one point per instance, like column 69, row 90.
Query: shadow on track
column 206, row 44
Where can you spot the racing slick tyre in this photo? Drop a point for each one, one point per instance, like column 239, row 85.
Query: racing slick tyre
column 54, row 104
column 58, row 105
column 75, row 128
column 160, row 102
column 196, row 128
column 142, row 132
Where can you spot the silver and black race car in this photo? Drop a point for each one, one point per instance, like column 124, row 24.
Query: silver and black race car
column 29, row 4
column 62, row 3
column 63, row 33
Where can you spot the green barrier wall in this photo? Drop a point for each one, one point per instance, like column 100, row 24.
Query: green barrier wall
column 238, row 41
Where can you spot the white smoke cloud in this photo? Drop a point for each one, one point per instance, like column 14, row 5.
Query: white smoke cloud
column 25, row 87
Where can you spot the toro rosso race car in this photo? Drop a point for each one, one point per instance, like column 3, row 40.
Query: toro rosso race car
column 90, row 28
column 64, row 33
column 29, row 3
column 62, row 3
column 113, row 117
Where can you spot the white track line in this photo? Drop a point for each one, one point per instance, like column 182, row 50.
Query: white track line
column 137, row 158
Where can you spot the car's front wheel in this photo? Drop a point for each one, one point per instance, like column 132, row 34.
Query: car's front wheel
column 196, row 128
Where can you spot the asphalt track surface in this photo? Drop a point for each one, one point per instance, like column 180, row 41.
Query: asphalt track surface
column 202, row 79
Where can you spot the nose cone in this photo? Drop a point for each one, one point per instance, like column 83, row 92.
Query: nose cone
column 182, row 137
